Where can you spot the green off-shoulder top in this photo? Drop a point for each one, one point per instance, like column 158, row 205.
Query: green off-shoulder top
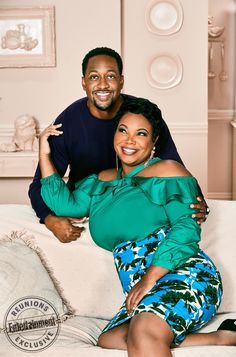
column 131, row 207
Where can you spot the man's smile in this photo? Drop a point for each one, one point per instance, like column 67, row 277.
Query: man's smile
column 102, row 95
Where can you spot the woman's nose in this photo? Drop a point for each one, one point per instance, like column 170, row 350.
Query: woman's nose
column 130, row 139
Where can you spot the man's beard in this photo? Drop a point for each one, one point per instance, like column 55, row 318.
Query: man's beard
column 104, row 106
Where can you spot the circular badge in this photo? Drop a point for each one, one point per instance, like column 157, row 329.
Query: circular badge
column 31, row 324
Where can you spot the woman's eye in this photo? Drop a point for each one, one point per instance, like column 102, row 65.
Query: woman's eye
column 142, row 133
column 121, row 130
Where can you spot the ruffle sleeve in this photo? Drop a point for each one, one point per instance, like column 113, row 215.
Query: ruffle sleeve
column 175, row 194
column 62, row 201
column 161, row 190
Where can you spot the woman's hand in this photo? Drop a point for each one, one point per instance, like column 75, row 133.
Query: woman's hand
column 147, row 282
column 44, row 148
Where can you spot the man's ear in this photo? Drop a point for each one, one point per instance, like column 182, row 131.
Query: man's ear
column 121, row 81
column 83, row 83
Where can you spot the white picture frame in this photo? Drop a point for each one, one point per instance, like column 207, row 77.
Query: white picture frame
column 27, row 37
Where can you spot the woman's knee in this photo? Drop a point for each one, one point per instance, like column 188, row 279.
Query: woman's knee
column 149, row 327
column 115, row 338
column 103, row 340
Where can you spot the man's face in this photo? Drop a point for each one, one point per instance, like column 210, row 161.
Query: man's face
column 102, row 84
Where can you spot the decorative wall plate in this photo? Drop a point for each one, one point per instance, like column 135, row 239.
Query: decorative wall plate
column 164, row 17
column 165, row 71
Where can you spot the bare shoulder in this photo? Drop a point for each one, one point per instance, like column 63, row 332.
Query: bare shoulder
column 167, row 168
column 108, row 175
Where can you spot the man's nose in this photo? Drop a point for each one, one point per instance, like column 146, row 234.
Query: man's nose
column 103, row 83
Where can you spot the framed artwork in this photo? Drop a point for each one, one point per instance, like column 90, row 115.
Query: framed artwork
column 27, row 37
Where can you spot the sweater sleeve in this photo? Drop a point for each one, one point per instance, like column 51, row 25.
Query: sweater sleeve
column 166, row 148
column 62, row 201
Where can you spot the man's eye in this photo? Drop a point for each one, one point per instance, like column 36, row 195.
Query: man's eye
column 111, row 76
column 93, row 78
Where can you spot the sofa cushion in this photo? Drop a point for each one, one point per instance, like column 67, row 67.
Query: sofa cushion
column 87, row 273
column 219, row 241
column 24, row 273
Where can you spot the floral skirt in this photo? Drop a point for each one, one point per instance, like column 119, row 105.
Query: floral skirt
column 187, row 297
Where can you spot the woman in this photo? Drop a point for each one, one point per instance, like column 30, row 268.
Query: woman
column 141, row 213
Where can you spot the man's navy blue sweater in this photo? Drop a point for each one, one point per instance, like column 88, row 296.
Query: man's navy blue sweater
column 86, row 146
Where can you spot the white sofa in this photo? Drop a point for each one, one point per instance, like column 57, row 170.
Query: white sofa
column 90, row 284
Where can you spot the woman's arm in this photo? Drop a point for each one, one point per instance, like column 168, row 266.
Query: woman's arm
column 54, row 190
column 46, row 165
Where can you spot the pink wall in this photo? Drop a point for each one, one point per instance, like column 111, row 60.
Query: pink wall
column 221, row 103
column 221, row 93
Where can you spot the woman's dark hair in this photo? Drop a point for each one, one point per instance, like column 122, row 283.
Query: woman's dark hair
column 142, row 106
column 104, row 51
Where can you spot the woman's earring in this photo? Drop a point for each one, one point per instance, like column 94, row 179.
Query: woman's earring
column 152, row 153
column 151, row 156
column 117, row 163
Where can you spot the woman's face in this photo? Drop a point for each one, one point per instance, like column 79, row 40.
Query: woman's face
column 133, row 140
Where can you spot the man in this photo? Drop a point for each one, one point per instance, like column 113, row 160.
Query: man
column 87, row 141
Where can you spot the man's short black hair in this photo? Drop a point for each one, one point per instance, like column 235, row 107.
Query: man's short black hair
column 105, row 51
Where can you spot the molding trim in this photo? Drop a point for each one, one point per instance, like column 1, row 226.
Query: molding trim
column 220, row 195
column 221, row 115
column 178, row 128
column 7, row 131
column 188, row 128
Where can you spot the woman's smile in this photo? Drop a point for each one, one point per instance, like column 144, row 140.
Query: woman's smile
column 128, row 151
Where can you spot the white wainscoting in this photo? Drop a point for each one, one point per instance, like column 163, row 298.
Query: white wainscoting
column 233, row 123
column 191, row 142
column 220, row 154
column 20, row 169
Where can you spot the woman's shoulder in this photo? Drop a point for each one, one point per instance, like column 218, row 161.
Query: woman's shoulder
column 108, row 175
column 166, row 168
column 168, row 180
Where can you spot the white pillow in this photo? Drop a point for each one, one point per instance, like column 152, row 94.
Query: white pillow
column 24, row 273
column 219, row 242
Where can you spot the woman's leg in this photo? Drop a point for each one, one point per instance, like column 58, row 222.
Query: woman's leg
column 147, row 333
column 220, row 338
column 115, row 338
column 143, row 336
column 149, row 336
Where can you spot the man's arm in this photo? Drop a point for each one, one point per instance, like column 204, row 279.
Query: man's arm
column 37, row 203
column 167, row 150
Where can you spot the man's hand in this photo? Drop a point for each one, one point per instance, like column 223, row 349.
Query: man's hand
column 202, row 208
column 62, row 228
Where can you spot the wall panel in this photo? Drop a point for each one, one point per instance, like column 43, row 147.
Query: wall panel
column 185, row 103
